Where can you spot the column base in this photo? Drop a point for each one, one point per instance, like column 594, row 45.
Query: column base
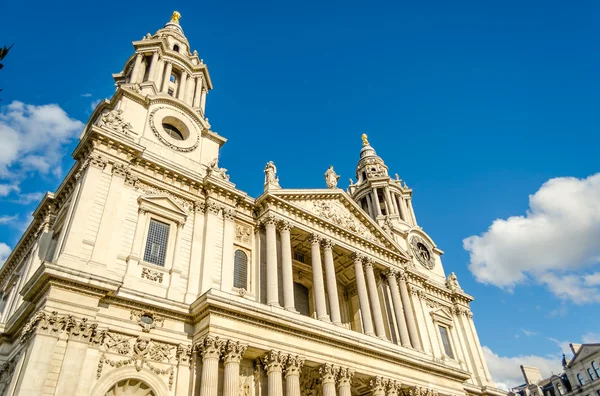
column 325, row 319
column 291, row 309
column 371, row 334
column 276, row 305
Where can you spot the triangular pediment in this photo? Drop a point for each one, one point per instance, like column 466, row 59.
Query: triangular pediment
column 337, row 208
column 441, row 313
column 163, row 205
column 584, row 351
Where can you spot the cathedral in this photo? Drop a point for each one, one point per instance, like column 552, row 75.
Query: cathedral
column 148, row 273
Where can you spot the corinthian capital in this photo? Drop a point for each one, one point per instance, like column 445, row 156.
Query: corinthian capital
column 327, row 244
column 270, row 220
column 393, row 388
column 284, row 225
column 274, row 361
column 211, row 347
column 234, row 351
column 345, row 376
column 294, row 365
column 378, row 385
column 390, row 275
column 314, row 238
column 357, row 257
column 328, row 373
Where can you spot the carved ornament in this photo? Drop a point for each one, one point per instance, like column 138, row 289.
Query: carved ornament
column 242, row 233
column 342, row 218
column 113, row 120
column 423, row 251
column 155, row 276
column 147, row 320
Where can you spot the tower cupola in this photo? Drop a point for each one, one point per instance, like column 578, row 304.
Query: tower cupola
column 386, row 200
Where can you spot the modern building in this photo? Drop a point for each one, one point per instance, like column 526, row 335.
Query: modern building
column 580, row 376
column 148, row 272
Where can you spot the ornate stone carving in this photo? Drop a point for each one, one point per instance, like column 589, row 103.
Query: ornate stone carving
column 213, row 207
column 200, row 206
column 274, row 361
column 234, row 351
column 147, row 320
column 98, row 161
column 327, row 244
column 378, row 385
column 183, row 353
column 214, row 170
column 113, row 120
column 452, row 282
column 229, row 214
column 345, row 376
column 6, row 373
column 314, row 238
column 155, row 276
column 423, row 251
column 368, row 262
column 270, row 219
column 328, row 372
column 331, row 178
column 310, row 383
column 121, row 170
column 284, row 225
column 242, row 233
column 393, row 388
column 164, row 141
column 340, row 217
column 153, row 190
column 294, row 365
column 55, row 325
column 271, row 179
column 210, row 347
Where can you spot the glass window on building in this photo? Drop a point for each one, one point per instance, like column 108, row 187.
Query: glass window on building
column 156, row 243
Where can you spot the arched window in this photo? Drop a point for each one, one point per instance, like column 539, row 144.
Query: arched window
column 590, row 373
column 240, row 270
column 130, row 387
column 596, row 369
column 561, row 390
column 176, row 48
column 173, row 78
column 580, row 379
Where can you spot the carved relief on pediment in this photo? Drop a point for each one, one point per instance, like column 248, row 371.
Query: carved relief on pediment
column 339, row 215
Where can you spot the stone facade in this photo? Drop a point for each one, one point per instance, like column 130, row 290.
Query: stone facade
column 581, row 376
column 149, row 273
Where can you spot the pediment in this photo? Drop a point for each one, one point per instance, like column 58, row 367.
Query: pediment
column 442, row 315
column 163, row 205
column 337, row 208
column 585, row 351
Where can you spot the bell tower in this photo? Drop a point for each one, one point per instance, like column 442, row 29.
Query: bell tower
column 160, row 102
column 385, row 199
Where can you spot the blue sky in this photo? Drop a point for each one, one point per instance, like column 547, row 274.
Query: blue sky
column 475, row 104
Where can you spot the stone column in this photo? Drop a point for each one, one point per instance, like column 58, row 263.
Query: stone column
column 388, row 201
column 393, row 388
column 133, row 78
column 395, row 203
column 203, row 100
column 363, row 298
column 345, row 382
column 234, row 352
column 293, row 368
column 167, row 77
column 411, row 210
column 182, row 86
column 404, row 210
column 274, row 362
column 370, row 205
column 286, row 266
column 272, row 287
column 153, row 66
column 317, row 275
column 211, row 351
column 378, row 386
column 158, row 78
column 398, row 309
column 334, row 303
column 374, row 299
column 328, row 374
column 376, row 202
column 197, row 90
column 408, row 312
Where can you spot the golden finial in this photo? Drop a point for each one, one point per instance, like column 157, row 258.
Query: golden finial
column 175, row 17
column 364, row 139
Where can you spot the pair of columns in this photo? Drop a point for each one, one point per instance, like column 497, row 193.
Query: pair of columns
column 368, row 296
column 405, row 318
column 277, row 364
column 271, row 225
column 212, row 348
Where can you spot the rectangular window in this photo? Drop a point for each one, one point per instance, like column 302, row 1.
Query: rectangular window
column 156, row 243
column 301, row 299
column 299, row 257
column 446, row 341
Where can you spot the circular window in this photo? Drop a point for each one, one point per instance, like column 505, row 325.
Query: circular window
column 174, row 128
column 172, row 131
column 422, row 252
column 147, row 319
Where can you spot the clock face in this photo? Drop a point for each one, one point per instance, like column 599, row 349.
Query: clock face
column 422, row 251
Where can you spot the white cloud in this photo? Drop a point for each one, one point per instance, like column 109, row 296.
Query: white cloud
column 6, row 189
column 591, row 338
column 4, row 219
column 506, row 371
column 86, row 95
column 27, row 198
column 557, row 236
column 529, row 333
column 4, row 252
column 95, row 103
column 32, row 138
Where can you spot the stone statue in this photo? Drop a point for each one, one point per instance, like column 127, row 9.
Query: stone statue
column 397, row 176
column 331, row 178
column 195, row 53
column 452, row 282
column 271, row 178
column 405, row 185
column 113, row 119
column 364, row 139
column 351, row 182
column 213, row 169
